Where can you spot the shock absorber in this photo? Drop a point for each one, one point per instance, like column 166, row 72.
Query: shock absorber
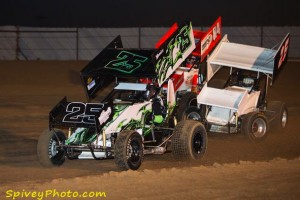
column 69, row 132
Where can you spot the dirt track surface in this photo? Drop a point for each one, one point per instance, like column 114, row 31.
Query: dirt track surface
column 29, row 90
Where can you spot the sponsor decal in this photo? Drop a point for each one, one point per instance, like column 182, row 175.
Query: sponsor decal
column 173, row 53
column 212, row 35
column 206, row 42
column 89, row 80
column 90, row 83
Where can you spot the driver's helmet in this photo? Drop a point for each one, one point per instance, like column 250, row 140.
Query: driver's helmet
column 150, row 92
column 248, row 82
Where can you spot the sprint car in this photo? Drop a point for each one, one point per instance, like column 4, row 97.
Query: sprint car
column 234, row 99
column 190, row 76
column 137, row 117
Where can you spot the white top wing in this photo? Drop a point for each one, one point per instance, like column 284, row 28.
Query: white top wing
column 245, row 57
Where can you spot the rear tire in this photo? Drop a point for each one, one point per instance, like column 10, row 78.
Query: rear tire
column 255, row 126
column 129, row 150
column 192, row 113
column 189, row 140
column 187, row 100
column 48, row 151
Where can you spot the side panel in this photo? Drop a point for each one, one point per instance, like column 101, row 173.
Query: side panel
column 209, row 40
column 212, row 68
column 281, row 55
column 249, row 102
column 78, row 114
column 173, row 52
column 93, row 82
column 219, row 115
column 131, row 116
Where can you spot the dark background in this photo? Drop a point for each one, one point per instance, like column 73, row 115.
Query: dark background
column 147, row 13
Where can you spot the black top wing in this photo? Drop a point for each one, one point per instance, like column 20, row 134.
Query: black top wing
column 115, row 61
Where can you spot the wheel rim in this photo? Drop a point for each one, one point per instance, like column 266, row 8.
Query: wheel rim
column 53, row 148
column 197, row 143
column 259, row 127
column 55, row 154
column 134, row 151
column 284, row 119
column 193, row 116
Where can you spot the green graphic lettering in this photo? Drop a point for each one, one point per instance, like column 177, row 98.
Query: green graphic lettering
column 174, row 51
column 126, row 62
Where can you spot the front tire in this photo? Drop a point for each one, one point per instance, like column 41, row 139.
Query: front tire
column 189, row 140
column 187, row 100
column 129, row 150
column 255, row 126
column 48, row 151
column 280, row 122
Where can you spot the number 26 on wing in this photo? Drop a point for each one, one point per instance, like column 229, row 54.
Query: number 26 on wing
column 283, row 50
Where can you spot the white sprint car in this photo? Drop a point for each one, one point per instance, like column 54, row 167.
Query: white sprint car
column 234, row 99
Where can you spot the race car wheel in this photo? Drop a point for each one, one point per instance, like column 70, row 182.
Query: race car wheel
column 255, row 126
column 280, row 122
column 129, row 150
column 187, row 100
column 189, row 140
column 48, row 150
column 192, row 113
